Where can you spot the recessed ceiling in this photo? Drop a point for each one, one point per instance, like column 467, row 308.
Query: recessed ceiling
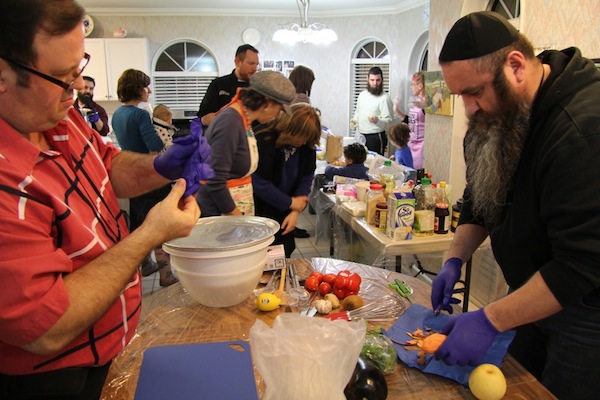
column 318, row 8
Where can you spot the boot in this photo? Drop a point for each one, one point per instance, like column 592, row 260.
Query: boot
column 149, row 266
column 167, row 278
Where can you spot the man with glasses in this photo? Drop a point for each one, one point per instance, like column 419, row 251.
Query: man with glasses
column 69, row 283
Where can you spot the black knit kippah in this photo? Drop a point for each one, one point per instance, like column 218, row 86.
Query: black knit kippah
column 476, row 35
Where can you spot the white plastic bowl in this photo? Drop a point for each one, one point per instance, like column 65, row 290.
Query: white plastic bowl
column 223, row 290
column 222, row 260
column 219, row 261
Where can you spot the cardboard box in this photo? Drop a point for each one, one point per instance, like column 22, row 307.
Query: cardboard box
column 401, row 215
column 275, row 257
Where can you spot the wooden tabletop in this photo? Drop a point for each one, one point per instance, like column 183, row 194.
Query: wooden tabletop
column 171, row 317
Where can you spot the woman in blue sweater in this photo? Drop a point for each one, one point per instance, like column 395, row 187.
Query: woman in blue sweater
column 134, row 130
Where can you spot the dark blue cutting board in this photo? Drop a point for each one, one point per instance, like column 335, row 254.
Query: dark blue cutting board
column 206, row 371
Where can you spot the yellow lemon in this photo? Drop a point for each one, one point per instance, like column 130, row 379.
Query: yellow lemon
column 267, row 302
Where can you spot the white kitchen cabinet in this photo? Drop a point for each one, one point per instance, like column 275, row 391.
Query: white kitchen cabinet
column 109, row 58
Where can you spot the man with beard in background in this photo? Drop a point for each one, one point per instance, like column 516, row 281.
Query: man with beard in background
column 94, row 113
column 532, row 153
column 373, row 112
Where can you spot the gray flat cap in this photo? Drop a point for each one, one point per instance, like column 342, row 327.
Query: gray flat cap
column 275, row 86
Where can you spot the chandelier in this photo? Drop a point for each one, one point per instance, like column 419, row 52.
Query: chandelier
column 305, row 33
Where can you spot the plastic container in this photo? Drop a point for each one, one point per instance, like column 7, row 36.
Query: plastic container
column 222, row 260
column 392, row 174
column 424, row 208
column 374, row 196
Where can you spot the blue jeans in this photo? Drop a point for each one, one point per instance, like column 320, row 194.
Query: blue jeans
column 563, row 350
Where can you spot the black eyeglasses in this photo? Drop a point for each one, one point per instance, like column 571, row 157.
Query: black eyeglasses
column 66, row 86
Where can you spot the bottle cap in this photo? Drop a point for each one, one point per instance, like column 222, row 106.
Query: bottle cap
column 387, row 163
column 376, row 186
column 426, row 181
column 443, row 184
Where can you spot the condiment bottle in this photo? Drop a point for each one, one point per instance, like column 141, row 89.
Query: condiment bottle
column 374, row 196
column 441, row 222
column 456, row 214
column 381, row 215
column 424, row 208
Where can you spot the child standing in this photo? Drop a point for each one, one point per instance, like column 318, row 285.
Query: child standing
column 355, row 155
column 399, row 134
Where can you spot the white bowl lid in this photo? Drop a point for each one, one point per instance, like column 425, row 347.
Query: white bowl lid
column 226, row 233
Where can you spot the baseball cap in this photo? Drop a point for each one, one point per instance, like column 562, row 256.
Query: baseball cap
column 476, row 35
column 275, row 86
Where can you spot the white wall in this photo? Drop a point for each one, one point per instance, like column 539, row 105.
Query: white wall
column 331, row 63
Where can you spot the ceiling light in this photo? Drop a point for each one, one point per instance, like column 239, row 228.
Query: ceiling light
column 305, row 33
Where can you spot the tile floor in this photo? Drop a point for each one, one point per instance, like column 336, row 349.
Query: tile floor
column 305, row 248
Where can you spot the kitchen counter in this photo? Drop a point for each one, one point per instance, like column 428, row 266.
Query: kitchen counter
column 172, row 317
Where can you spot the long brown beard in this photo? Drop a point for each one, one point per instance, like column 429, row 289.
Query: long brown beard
column 493, row 146
column 375, row 91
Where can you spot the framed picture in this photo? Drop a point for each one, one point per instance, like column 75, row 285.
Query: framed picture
column 439, row 99
column 268, row 65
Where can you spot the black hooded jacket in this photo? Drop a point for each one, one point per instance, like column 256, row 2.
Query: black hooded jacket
column 551, row 222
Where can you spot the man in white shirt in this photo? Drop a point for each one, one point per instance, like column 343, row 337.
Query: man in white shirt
column 373, row 112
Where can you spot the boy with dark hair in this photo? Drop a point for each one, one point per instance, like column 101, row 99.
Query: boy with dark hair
column 355, row 155
column 399, row 134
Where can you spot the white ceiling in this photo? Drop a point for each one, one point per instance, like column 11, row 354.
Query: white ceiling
column 318, row 8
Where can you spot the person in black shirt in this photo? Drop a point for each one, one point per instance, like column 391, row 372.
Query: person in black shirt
column 221, row 90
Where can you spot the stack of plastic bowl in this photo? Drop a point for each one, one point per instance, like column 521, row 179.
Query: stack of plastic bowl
column 221, row 262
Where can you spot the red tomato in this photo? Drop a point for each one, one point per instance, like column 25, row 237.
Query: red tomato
column 344, row 272
column 357, row 276
column 311, row 283
column 317, row 275
column 324, row 288
column 339, row 293
column 329, row 278
column 353, row 283
column 340, row 282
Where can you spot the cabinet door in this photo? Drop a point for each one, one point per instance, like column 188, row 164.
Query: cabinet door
column 97, row 67
column 123, row 54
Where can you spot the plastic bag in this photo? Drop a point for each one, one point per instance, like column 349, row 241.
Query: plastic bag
column 306, row 358
column 380, row 349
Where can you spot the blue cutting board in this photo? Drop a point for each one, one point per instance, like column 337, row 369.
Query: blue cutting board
column 206, row 371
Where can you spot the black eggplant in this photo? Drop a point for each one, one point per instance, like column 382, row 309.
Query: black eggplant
column 367, row 382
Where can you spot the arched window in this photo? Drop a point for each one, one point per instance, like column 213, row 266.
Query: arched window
column 370, row 53
column 509, row 9
column 183, row 69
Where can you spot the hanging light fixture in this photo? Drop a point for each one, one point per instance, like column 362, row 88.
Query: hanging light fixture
column 305, row 33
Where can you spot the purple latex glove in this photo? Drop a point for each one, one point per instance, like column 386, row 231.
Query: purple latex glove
column 93, row 117
column 442, row 286
column 469, row 337
column 198, row 168
column 189, row 158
